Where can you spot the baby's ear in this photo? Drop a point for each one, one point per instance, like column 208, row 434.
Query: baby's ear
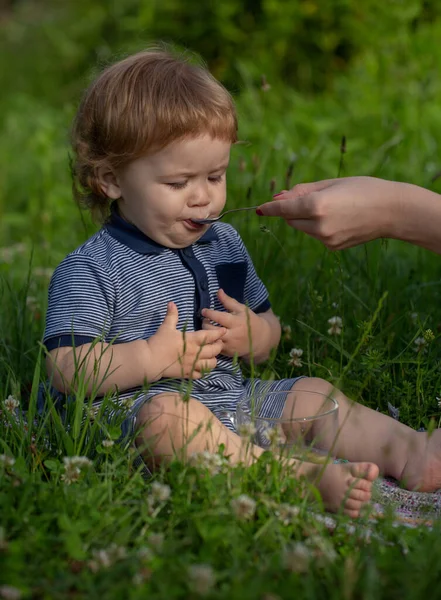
column 108, row 182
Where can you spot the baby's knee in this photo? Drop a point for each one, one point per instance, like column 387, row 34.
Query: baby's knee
column 158, row 413
column 315, row 384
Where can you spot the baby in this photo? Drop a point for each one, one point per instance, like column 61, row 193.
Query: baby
column 155, row 298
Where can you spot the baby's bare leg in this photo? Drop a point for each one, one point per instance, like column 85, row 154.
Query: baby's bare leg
column 170, row 427
column 367, row 435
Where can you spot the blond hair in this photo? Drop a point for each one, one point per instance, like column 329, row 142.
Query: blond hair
column 137, row 107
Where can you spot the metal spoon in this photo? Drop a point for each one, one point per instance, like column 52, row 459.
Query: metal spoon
column 221, row 216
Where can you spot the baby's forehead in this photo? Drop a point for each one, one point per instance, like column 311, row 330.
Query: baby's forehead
column 191, row 152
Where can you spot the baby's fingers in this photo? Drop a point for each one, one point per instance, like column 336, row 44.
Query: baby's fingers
column 206, row 365
column 207, row 325
column 209, row 335
column 210, row 350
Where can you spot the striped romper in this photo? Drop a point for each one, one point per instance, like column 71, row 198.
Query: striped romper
column 116, row 286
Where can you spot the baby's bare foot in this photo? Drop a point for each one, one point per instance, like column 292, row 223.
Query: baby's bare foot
column 422, row 471
column 347, row 487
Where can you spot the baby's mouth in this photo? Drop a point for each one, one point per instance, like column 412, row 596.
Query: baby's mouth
column 194, row 224
column 198, row 220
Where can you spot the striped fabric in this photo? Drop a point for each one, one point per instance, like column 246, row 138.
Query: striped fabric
column 115, row 287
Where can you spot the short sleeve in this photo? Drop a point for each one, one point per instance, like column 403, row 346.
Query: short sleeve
column 81, row 303
column 255, row 293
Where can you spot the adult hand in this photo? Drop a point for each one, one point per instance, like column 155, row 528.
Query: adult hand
column 339, row 212
column 177, row 354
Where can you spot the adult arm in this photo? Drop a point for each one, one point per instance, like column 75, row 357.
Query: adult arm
column 346, row 212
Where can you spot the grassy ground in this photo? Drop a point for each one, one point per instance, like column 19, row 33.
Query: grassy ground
column 83, row 530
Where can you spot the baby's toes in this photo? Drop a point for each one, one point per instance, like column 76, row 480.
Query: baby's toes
column 367, row 472
column 357, row 494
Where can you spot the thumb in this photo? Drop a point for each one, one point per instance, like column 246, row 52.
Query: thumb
column 231, row 304
column 171, row 317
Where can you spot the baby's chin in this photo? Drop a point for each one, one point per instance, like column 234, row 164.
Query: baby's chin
column 181, row 239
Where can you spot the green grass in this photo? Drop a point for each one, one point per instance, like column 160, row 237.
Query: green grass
column 102, row 535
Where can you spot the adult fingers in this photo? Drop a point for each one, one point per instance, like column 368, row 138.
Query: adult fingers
column 287, row 208
column 298, row 203
column 304, row 189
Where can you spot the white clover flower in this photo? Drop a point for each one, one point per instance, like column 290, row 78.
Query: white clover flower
column 160, row 492
column 420, row 344
column 9, row 592
column 32, row 303
column 214, row 463
column 92, row 413
column 322, row 549
column 296, row 558
column 264, row 85
column 43, row 272
column 81, row 462
column 201, row 578
column 414, row 317
column 286, row 513
column 246, row 430
column 71, row 475
column 274, row 436
column 294, row 357
column 127, row 403
column 327, row 521
column 108, row 443
column 243, row 507
column 6, row 461
column 336, row 324
column 286, row 330
column 334, row 305
column 11, row 404
column 72, row 468
column 8, row 253
column 156, row 541
column 141, row 576
column 103, row 559
column 145, row 554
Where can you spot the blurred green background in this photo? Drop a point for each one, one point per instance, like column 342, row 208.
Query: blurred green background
column 304, row 74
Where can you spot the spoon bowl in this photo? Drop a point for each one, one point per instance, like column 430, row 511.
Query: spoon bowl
column 208, row 221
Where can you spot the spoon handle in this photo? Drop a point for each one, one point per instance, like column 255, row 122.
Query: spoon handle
column 236, row 209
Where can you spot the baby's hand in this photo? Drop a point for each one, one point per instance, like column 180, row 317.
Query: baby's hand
column 241, row 323
column 179, row 354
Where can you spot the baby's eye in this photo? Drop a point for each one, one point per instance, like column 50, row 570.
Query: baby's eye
column 217, row 179
column 177, row 185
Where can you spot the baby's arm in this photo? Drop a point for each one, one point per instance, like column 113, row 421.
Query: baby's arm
column 106, row 367
column 266, row 337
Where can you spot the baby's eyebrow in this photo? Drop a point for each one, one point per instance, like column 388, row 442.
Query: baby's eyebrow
column 190, row 173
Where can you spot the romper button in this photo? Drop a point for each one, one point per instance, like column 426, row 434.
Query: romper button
column 188, row 252
column 204, row 285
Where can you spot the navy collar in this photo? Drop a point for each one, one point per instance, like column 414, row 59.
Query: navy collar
column 136, row 240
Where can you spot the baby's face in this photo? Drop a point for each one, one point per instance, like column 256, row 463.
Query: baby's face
column 162, row 192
